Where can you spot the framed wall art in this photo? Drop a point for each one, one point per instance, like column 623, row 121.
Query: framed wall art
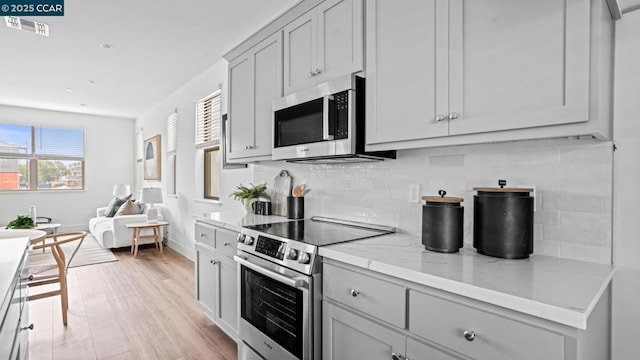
column 152, row 158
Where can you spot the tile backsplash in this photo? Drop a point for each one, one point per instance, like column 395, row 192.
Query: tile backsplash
column 572, row 178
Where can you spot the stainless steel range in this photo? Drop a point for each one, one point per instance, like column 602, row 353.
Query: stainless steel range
column 280, row 285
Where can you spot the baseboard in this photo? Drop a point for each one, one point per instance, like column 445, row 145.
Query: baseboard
column 184, row 251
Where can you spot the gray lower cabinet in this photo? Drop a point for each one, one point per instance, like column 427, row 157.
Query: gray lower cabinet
column 369, row 315
column 216, row 276
column 14, row 316
column 347, row 335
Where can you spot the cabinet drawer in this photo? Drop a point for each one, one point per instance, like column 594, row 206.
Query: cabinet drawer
column 206, row 235
column 496, row 338
column 373, row 296
column 226, row 241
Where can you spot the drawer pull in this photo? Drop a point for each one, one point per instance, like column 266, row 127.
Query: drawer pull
column 354, row 292
column 226, row 243
column 397, row 356
column 469, row 335
column 29, row 278
column 214, row 262
column 203, row 235
column 30, row 327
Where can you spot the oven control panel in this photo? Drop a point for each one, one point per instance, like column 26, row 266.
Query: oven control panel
column 270, row 247
column 289, row 253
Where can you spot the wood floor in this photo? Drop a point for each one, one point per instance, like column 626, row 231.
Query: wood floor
column 142, row 308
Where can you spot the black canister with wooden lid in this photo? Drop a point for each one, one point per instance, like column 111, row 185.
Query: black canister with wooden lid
column 442, row 223
column 503, row 221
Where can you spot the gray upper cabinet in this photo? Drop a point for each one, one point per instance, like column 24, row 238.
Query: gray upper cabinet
column 324, row 43
column 403, row 53
column 255, row 79
column 440, row 70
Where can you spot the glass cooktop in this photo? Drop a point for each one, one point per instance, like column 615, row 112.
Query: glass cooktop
column 321, row 232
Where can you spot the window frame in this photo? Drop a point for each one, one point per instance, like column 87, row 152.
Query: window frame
column 33, row 159
column 208, row 130
column 207, row 172
column 172, row 152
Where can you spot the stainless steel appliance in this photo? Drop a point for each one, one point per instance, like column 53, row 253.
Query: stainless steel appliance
column 323, row 124
column 280, row 284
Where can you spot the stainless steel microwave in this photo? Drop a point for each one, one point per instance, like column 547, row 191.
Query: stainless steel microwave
column 323, row 124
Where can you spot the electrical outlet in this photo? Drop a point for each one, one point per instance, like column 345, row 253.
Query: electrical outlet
column 414, row 193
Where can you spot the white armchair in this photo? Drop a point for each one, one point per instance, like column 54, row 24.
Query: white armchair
column 111, row 232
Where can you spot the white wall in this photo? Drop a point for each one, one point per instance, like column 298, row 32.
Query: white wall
column 180, row 210
column 109, row 160
column 626, row 234
column 573, row 180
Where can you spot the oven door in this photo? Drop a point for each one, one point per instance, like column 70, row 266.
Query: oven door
column 274, row 310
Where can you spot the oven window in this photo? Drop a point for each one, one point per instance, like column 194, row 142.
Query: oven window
column 299, row 124
column 273, row 308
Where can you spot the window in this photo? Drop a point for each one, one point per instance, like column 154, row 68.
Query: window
column 172, row 147
column 38, row 158
column 208, row 119
column 208, row 138
column 212, row 173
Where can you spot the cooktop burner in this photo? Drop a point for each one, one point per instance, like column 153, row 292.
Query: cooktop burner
column 320, row 232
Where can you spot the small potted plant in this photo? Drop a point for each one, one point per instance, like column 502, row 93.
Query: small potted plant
column 21, row 222
column 248, row 194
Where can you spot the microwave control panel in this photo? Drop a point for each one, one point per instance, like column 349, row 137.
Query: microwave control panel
column 341, row 101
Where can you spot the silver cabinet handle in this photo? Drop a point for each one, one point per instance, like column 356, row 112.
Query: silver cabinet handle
column 203, row 235
column 226, row 243
column 248, row 147
column 312, row 74
column 453, row 116
column 30, row 327
column 397, row 356
column 354, row 292
column 469, row 335
column 214, row 262
column 29, row 278
column 440, row 118
column 318, row 71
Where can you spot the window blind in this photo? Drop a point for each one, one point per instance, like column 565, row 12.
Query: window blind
column 172, row 133
column 65, row 143
column 208, row 119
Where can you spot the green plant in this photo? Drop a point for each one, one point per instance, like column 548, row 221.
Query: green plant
column 245, row 194
column 21, row 222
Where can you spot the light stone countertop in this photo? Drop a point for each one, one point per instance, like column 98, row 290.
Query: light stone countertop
column 235, row 220
column 11, row 252
column 560, row 290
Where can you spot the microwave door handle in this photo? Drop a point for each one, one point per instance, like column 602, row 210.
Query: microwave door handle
column 325, row 117
column 293, row 282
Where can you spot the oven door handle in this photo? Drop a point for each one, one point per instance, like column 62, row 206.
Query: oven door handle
column 293, row 282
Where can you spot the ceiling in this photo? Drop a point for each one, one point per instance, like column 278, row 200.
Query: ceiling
column 159, row 45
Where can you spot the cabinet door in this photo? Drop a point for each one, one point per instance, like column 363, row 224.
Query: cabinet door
column 227, row 311
column 417, row 350
column 300, row 58
column 346, row 335
column 340, row 38
column 518, row 63
column 206, row 282
column 407, row 69
column 267, row 87
column 241, row 102
column 255, row 79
